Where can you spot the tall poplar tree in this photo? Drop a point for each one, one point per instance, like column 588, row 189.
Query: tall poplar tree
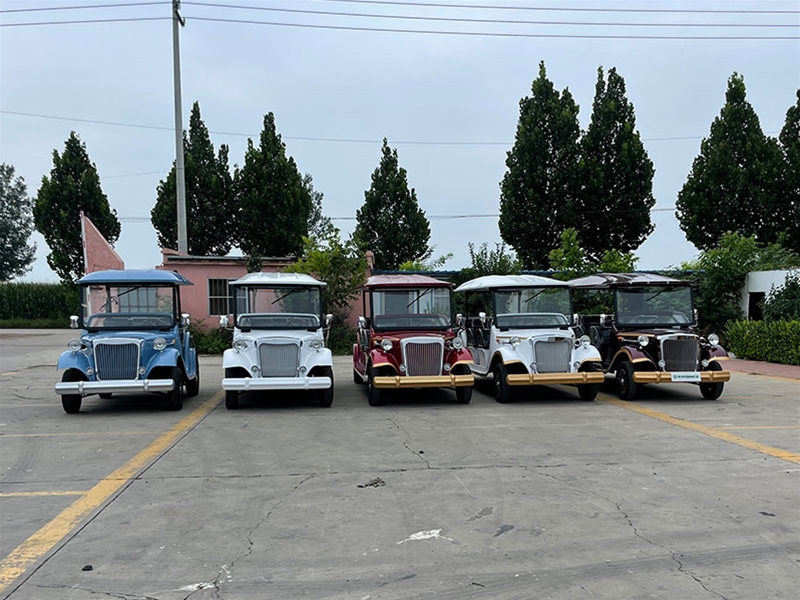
column 734, row 181
column 790, row 145
column 210, row 202
column 275, row 205
column 541, row 184
column 390, row 222
column 73, row 186
column 614, row 208
column 16, row 225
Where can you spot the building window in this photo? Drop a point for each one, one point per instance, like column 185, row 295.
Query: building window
column 219, row 297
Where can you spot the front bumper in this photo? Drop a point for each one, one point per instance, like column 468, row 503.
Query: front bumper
column 552, row 378
column 422, row 381
column 675, row 377
column 84, row 388
column 247, row 384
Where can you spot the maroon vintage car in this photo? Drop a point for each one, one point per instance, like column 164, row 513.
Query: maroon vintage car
column 406, row 338
column 652, row 335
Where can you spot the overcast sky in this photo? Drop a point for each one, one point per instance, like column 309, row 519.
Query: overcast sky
column 448, row 103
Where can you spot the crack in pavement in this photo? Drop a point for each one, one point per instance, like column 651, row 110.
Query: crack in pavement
column 121, row 596
column 408, row 439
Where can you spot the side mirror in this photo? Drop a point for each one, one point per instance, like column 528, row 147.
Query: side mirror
column 223, row 321
column 328, row 320
column 459, row 320
column 73, row 322
column 185, row 321
column 482, row 317
column 362, row 323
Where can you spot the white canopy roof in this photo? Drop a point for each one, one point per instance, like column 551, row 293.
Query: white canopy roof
column 278, row 279
column 493, row 282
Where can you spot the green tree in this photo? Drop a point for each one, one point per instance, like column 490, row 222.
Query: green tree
column 570, row 260
column 390, row 222
column 16, row 225
column 275, row 205
column 734, row 182
column 73, row 186
column 319, row 225
column 790, row 145
column 484, row 261
column 426, row 263
column 783, row 303
column 210, row 202
column 541, row 183
column 614, row 207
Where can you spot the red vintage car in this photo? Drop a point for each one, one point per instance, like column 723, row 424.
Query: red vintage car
column 406, row 338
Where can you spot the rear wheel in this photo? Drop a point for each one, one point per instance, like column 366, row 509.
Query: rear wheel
column 588, row 391
column 373, row 393
column 175, row 395
column 502, row 391
column 626, row 386
column 712, row 391
column 325, row 397
column 71, row 403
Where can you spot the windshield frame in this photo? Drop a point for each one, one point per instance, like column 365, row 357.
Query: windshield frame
column 137, row 320
column 652, row 317
column 241, row 294
column 422, row 292
column 568, row 317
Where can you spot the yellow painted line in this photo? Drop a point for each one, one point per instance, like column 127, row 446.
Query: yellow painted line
column 761, row 427
column 714, row 432
column 86, row 434
column 29, row 551
column 29, row 494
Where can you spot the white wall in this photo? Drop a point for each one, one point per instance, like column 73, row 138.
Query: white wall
column 762, row 281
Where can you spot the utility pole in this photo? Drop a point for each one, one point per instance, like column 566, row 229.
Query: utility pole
column 180, row 181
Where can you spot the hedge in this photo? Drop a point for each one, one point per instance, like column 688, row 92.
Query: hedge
column 37, row 301
column 778, row 341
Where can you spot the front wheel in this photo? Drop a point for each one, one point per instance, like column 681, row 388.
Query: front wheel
column 588, row 391
column 325, row 397
column 373, row 393
column 502, row 391
column 231, row 396
column 464, row 394
column 712, row 391
column 175, row 395
column 626, row 386
column 71, row 403
column 193, row 385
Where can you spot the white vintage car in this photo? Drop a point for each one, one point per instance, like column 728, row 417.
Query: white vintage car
column 278, row 337
column 528, row 339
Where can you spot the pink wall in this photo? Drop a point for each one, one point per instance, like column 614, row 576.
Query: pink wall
column 98, row 254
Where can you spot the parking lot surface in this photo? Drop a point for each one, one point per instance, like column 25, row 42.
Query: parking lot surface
column 669, row 496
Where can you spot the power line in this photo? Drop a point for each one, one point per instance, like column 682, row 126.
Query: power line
column 84, row 21
column 322, row 139
column 49, row 8
column 575, row 8
column 485, row 21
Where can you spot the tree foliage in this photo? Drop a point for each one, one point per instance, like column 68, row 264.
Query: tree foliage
column 570, row 260
column 790, row 145
column 484, row 261
column 734, row 181
column 783, row 303
column 16, row 225
column 73, row 186
column 319, row 225
column 541, row 183
column 613, row 210
column 390, row 222
column 210, row 202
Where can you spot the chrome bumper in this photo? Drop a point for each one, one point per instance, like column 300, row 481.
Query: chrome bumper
column 84, row 388
column 422, row 381
column 247, row 384
column 666, row 377
column 550, row 378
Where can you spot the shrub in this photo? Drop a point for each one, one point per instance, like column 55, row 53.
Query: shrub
column 341, row 339
column 783, row 304
column 212, row 341
column 34, row 301
column 777, row 341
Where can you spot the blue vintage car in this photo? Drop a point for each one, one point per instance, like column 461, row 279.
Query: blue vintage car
column 135, row 339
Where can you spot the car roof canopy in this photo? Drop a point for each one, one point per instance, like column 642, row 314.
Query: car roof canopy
column 497, row 282
column 604, row 281
column 134, row 276
column 278, row 280
column 399, row 281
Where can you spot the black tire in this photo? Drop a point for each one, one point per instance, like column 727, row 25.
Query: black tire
column 325, row 397
column 626, row 386
column 193, row 385
column 175, row 395
column 231, row 399
column 502, row 391
column 464, row 394
column 588, row 391
column 71, row 403
column 712, row 391
column 105, row 395
column 357, row 378
column 373, row 394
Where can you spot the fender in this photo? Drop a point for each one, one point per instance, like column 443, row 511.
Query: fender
column 73, row 360
column 508, row 355
column 582, row 353
column 319, row 358
column 458, row 355
column 232, row 358
column 633, row 355
column 169, row 357
column 378, row 358
column 718, row 352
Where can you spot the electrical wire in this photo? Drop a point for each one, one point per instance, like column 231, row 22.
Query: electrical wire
column 84, row 21
column 50, row 8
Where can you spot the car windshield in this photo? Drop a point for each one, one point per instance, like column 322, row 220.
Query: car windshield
column 654, row 305
column 533, row 308
column 277, row 307
column 411, row 308
column 132, row 306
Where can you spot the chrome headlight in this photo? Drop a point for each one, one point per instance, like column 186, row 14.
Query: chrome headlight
column 159, row 343
column 316, row 344
column 387, row 345
column 514, row 341
column 458, row 342
column 585, row 341
column 239, row 344
column 74, row 345
column 643, row 340
column 713, row 339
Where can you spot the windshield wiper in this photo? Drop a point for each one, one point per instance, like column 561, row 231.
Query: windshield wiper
column 289, row 293
column 418, row 297
column 540, row 292
column 657, row 294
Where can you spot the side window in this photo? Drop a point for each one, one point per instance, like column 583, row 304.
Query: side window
column 219, row 297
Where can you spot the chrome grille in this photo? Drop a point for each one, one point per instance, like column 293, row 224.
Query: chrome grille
column 680, row 353
column 116, row 359
column 552, row 355
column 423, row 356
column 279, row 359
